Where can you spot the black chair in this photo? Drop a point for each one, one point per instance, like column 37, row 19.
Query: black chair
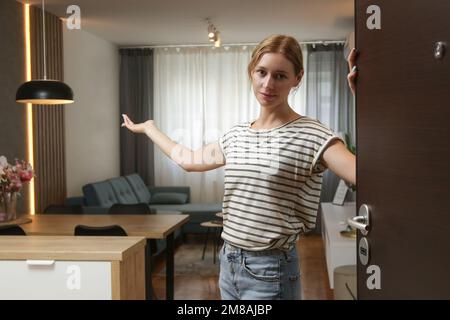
column 138, row 208
column 12, row 230
column 114, row 230
column 62, row 209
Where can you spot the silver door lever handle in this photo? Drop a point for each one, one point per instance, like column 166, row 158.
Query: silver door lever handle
column 361, row 222
column 358, row 222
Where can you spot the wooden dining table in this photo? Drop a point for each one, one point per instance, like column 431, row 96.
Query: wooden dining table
column 150, row 226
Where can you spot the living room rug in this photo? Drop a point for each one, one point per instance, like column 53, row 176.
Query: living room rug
column 188, row 261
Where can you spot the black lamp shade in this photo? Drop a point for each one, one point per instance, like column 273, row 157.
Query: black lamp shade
column 44, row 92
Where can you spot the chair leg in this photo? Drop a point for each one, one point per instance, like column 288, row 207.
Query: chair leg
column 206, row 242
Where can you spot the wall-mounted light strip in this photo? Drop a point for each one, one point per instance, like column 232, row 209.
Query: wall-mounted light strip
column 30, row 146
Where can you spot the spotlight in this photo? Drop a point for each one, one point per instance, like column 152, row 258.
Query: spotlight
column 210, row 31
column 217, row 41
column 213, row 34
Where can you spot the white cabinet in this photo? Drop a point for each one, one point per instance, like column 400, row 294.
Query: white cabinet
column 50, row 279
column 339, row 250
column 71, row 268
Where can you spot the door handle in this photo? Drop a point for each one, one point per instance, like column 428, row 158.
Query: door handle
column 361, row 222
column 40, row 262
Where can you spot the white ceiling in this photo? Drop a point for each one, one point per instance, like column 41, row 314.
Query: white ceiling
column 164, row 22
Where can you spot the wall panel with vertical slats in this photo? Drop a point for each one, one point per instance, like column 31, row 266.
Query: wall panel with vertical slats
column 48, row 120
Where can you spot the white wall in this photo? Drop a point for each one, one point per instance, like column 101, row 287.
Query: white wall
column 91, row 69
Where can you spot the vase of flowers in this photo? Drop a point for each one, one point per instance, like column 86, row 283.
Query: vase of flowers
column 12, row 179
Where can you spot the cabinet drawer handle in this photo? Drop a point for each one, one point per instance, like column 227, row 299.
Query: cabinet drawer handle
column 40, row 262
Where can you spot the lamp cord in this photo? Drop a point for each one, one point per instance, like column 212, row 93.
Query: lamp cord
column 43, row 37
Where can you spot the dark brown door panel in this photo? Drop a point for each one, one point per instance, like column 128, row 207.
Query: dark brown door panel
column 403, row 147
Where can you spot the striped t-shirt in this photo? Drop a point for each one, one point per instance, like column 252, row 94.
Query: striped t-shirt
column 273, row 180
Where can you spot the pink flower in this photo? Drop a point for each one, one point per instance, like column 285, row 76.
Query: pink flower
column 13, row 177
column 26, row 176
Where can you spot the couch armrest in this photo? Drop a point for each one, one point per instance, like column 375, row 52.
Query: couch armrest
column 73, row 201
column 185, row 190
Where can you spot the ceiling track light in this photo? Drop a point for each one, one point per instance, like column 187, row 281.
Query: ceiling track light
column 213, row 33
column 217, row 41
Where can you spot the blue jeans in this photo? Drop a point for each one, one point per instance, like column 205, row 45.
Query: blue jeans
column 259, row 275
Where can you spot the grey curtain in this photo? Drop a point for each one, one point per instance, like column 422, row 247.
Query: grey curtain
column 328, row 97
column 329, row 100
column 136, row 100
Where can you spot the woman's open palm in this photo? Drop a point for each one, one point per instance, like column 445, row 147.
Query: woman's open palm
column 136, row 127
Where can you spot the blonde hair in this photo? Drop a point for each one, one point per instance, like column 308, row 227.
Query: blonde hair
column 286, row 45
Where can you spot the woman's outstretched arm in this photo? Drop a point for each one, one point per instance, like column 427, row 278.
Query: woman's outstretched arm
column 342, row 162
column 337, row 157
column 206, row 158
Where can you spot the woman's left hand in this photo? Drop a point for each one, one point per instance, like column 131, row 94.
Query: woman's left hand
column 353, row 72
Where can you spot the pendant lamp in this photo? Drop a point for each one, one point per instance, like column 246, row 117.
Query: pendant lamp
column 44, row 91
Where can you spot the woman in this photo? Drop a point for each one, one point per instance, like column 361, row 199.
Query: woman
column 273, row 176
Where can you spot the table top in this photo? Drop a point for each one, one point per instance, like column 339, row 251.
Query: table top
column 68, row 247
column 151, row 226
column 212, row 224
column 17, row 221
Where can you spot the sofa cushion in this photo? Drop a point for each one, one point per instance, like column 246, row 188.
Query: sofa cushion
column 123, row 191
column 176, row 189
column 99, row 194
column 139, row 187
column 168, row 198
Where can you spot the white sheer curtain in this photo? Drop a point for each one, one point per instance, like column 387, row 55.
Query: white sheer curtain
column 200, row 93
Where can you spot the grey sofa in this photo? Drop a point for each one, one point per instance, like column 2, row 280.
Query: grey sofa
column 98, row 197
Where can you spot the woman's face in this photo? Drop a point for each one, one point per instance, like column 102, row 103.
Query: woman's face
column 273, row 78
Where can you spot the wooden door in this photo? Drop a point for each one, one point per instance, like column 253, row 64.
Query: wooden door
column 403, row 147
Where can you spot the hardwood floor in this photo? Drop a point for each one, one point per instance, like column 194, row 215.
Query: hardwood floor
column 313, row 268
column 313, row 274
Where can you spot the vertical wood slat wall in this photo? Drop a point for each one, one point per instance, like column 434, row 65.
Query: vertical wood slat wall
column 48, row 120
